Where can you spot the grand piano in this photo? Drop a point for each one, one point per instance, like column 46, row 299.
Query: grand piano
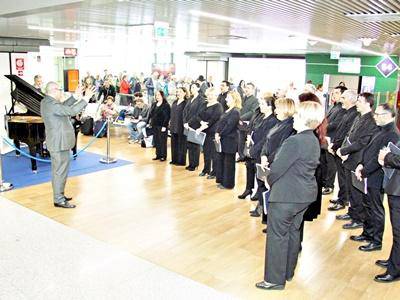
column 26, row 127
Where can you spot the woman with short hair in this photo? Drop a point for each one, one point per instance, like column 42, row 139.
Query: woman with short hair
column 292, row 188
column 227, row 135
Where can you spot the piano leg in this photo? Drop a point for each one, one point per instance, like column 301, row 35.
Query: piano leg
column 18, row 146
column 32, row 152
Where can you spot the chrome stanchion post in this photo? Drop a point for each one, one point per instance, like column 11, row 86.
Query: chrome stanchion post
column 4, row 186
column 108, row 159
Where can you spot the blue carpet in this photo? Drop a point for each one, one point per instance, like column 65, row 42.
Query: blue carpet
column 17, row 170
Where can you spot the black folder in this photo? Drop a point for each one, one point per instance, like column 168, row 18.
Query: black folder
column 261, row 172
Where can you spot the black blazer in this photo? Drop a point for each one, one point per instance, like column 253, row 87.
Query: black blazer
column 359, row 136
column 372, row 169
column 292, row 174
column 176, row 122
column 334, row 116
column 227, row 129
column 280, row 132
column 393, row 186
column 222, row 100
column 249, row 106
column 160, row 115
column 259, row 135
column 192, row 111
column 211, row 114
column 344, row 127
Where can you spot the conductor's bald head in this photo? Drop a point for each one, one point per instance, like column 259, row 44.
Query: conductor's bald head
column 53, row 90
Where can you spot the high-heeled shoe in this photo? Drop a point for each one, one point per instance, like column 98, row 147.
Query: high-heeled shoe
column 245, row 194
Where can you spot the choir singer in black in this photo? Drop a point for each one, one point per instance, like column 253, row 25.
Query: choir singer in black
column 159, row 119
column 208, row 120
column 178, row 139
column 293, row 187
column 227, row 135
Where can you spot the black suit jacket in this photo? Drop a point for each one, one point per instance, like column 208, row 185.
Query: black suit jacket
column 160, row 115
column 259, row 135
column 372, row 169
column 393, row 186
column 192, row 111
column 334, row 117
column 359, row 135
column 222, row 100
column 292, row 174
column 344, row 127
column 227, row 129
column 276, row 137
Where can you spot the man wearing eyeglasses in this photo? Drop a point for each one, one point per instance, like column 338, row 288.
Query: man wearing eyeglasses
column 60, row 135
column 360, row 134
column 370, row 169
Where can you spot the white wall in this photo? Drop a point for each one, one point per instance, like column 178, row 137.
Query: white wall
column 5, row 86
column 268, row 74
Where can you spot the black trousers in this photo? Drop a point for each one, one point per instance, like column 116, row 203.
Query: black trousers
column 342, row 195
column 241, row 144
column 225, row 169
column 178, row 149
column 356, row 208
column 329, row 173
column 194, row 154
column 394, row 258
column 374, row 224
column 160, row 142
column 250, row 173
column 283, row 240
column 209, row 154
column 261, row 188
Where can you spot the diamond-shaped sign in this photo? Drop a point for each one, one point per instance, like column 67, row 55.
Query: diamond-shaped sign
column 386, row 66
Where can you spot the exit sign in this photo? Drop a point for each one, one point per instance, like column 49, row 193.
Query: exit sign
column 161, row 30
column 70, row 52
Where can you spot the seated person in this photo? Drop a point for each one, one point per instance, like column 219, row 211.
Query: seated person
column 108, row 109
column 138, row 119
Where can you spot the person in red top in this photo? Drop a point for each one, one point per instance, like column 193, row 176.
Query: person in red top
column 124, row 90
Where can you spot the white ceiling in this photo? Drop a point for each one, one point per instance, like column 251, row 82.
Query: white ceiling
column 274, row 26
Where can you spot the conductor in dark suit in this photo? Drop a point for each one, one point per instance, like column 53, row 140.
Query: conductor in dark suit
column 392, row 189
column 293, row 187
column 60, row 135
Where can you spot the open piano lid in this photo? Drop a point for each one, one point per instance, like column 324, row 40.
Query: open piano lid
column 26, row 94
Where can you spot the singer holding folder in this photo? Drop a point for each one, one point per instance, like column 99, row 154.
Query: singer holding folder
column 292, row 188
column 208, row 123
column 227, row 134
column 369, row 168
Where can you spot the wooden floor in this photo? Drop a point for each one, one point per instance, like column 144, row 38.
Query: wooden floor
column 183, row 222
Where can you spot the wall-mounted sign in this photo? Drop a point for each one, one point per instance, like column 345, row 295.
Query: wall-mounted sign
column 349, row 65
column 70, row 51
column 20, row 66
column 161, row 30
column 387, row 66
column 335, row 54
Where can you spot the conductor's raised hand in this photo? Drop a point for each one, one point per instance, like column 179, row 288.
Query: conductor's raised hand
column 89, row 93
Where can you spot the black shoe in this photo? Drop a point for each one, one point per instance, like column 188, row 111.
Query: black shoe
column 254, row 198
column 336, row 207
column 359, row 238
column 327, row 191
column 386, row 278
column 382, row 263
column 345, row 217
column 188, row 167
column 67, row 198
column 352, row 225
column 163, row 159
column 191, row 169
column 333, row 201
column 245, row 194
column 172, row 163
column 211, row 177
column 220, row 186
column 370, row 247
column 264, row 230
column 156, row 158
column 202, row 174
column 255, row 213
column 239, row 160
column 64, row 204
column 269, row 286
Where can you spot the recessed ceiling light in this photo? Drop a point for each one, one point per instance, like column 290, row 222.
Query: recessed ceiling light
column 282, row 30
column 31, row 27
column 367, row 40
